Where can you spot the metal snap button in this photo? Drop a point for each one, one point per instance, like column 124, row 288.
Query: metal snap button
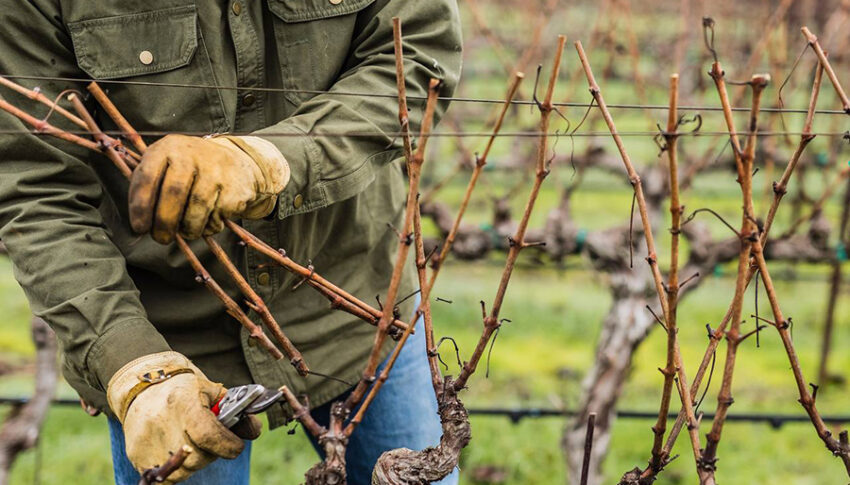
column 335, row 2
column 249, row 100
column 145, row 57
column 264, row 278
column 299, row 199
column 237, row 8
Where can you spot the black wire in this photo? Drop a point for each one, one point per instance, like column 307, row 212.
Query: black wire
column 388, row 134
column 774, row 420
column 516, row 414
column 457, row 99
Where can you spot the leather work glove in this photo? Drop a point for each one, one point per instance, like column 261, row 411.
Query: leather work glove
column 188, row 184
column 163, row 402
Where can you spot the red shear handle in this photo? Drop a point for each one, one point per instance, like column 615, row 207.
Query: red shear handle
column 216, row 408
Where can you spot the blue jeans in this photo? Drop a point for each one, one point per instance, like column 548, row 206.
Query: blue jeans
column 403, row 414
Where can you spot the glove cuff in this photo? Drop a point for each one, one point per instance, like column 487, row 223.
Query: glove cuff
column 142, row 373
column 273, row 167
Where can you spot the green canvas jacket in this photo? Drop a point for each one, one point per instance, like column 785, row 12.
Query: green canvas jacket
column 112, row 295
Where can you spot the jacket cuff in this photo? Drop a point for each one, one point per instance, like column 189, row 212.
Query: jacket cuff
column 122, row 343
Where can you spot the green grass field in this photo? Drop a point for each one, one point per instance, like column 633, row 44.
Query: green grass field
column 538, row 361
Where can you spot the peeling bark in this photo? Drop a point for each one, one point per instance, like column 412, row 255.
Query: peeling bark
column 22, row 429
column 404, row 466
column 331, row 470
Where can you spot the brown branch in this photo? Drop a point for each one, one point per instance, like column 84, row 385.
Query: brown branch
column 414, row 169
column 22, row 428
column 749, row 234
column 652, row 258
column 117, row 117
column 254, row 301
column 302, row 413
column 674, row 365
column 257, row 304
column 404, row 466
column 438, row 260
column 780, row 188
column 425, row 311
column 408, row 466
column 634, row 178
column 41, row 98
column 203, row 277
column 838, row 448
column 406, row 237
column 813, row 42
column 159, row 474
column 480, row 162
column 517, row 242
column 331, row 470
column 779, row 192
column 110, row 147
column 425, row 286
column 45, row 127
column 338, row 297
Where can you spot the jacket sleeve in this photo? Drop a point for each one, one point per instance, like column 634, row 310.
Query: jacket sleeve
column 328, row 169
column 71, row 272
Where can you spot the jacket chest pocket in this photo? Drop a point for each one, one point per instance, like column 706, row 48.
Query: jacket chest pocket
column 161, row 59
column 313, row 42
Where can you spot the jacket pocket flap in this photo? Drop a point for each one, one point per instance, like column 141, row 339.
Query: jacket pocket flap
column 305, row 10
column 134, row 44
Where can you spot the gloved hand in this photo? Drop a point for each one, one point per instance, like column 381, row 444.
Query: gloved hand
column 187, row 184
column 163, row 402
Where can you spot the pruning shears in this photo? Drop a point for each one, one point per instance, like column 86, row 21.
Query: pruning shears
column 242, row 400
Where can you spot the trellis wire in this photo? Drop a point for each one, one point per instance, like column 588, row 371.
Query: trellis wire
column 520, row 102
column 775, row 420
column 458, row 134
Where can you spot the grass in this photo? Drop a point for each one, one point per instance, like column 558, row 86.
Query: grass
column 538, row 361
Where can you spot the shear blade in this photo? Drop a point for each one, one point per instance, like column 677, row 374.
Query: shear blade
column 264, row 401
